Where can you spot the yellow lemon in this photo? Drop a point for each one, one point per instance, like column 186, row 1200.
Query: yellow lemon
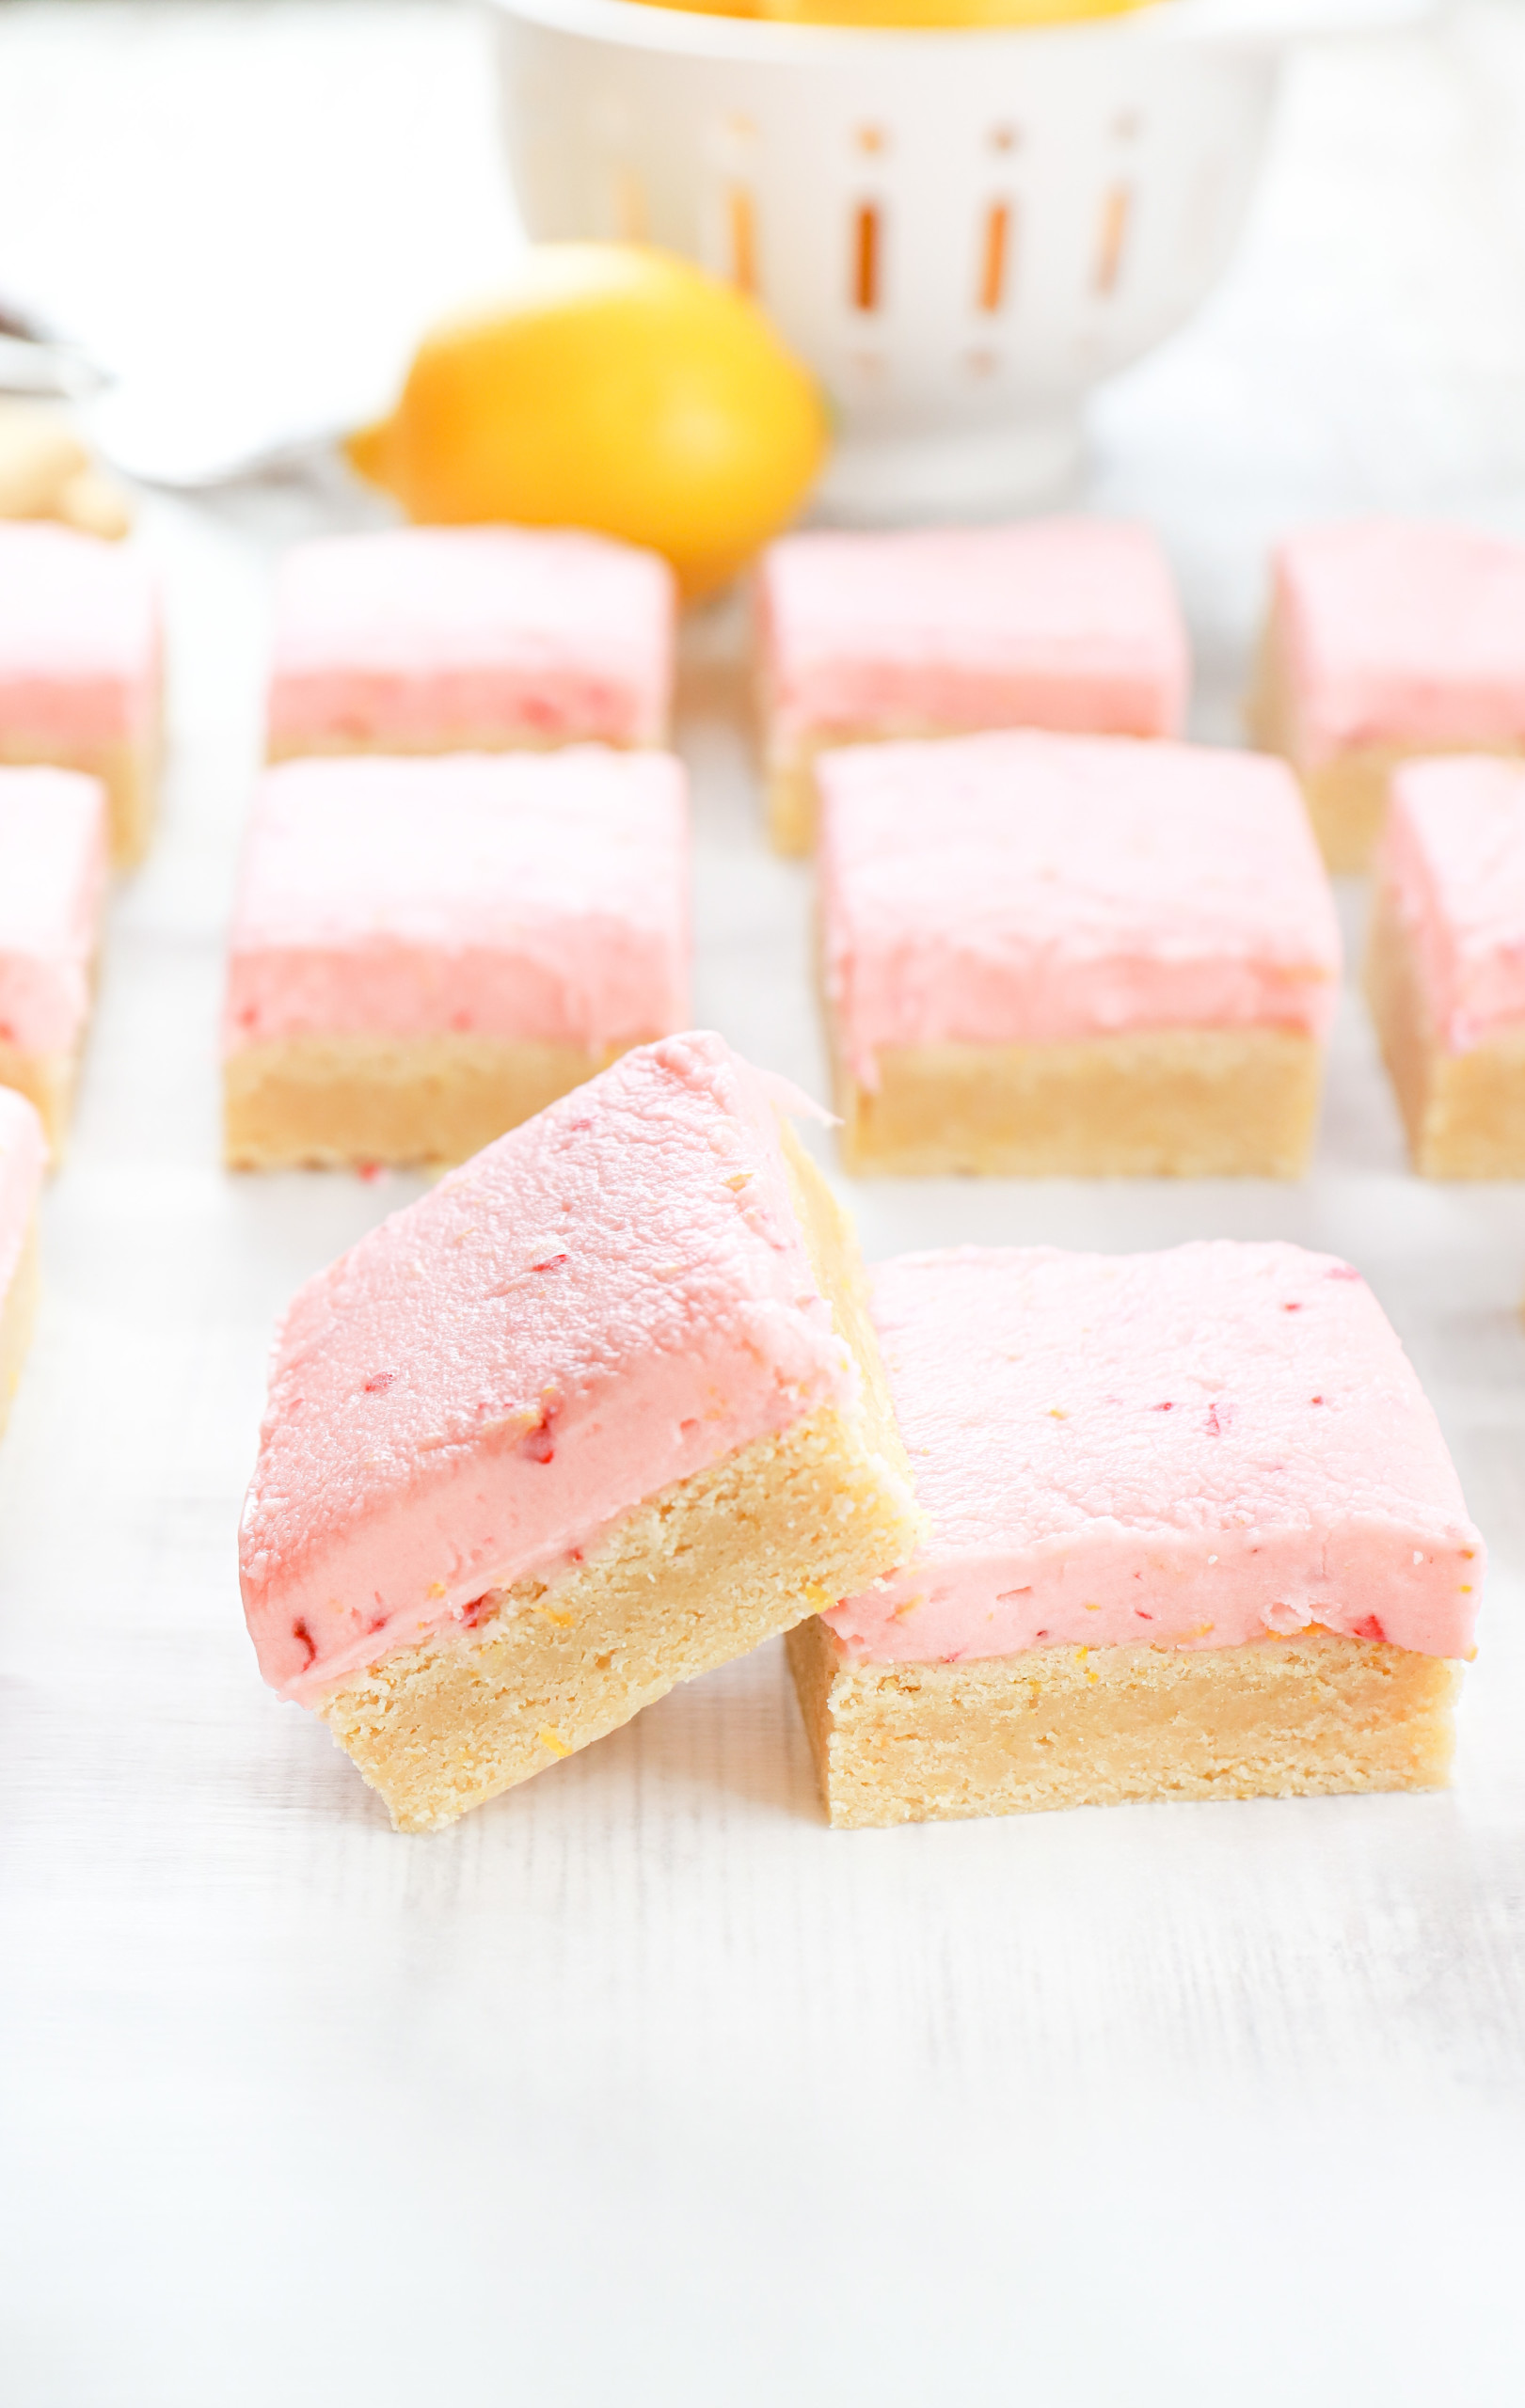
column 924, row 13
column 613, row 386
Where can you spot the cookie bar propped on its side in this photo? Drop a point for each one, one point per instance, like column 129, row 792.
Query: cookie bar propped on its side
column 602, row 1411
column 1194, row 1534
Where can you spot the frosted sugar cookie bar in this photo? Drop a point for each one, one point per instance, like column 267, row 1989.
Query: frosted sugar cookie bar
column 602, row 1411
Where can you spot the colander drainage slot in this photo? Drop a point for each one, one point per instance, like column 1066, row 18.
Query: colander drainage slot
column 742, row 235
column 995, row 256
column 867, row 256
column 629, row 206
column 1116, row 211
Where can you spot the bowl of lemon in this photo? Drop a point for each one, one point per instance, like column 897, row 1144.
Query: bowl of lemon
column 961, row 215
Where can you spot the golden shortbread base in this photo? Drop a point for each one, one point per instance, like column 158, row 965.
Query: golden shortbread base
column 1304, row 1717
column 1188, row 1103
column 461, row 739
column 1464, row 1113
column 17, row 1313
column 46, row 1080
column 129, row 772
column 1348, row 797
column 329, row 1102
column 695, row 1575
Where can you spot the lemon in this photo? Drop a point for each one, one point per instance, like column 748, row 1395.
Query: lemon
column 614, row 386
column 924, row 13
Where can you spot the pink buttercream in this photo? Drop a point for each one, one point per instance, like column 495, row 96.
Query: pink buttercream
column 1453, row 861
column 1028, row 889
column 1185, row 1450
column 535, row 895
column 1068, row 623
column 24, row 1158
column 79, row 639
column 1399, row 633
column 53, row 886
column 603, row 1302
column 422, row 634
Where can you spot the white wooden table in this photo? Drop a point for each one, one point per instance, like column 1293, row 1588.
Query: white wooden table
column 640, row 2085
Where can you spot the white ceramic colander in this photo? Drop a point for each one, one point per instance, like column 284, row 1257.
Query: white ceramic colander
column 961, row 231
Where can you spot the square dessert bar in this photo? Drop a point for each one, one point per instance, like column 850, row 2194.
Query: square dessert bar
column 1079, row 955
column 1386, row 640
column 80, row 673
column 1066, row 624
column 1445, row 968
column 469, row 640
column 53, row 886
column 424, row 953
column 602, row 1411
column 23, row 1155
column 1194, row 1534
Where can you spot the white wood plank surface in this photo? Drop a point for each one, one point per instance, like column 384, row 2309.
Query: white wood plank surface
column 640, row 2085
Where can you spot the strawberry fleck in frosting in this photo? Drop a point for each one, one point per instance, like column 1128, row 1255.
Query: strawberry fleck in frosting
column 535, row 896
column 1395, row 632
column 604, row 1302
column 1031, row 889
column 1185, row 1450
column 79, row 639
column 53, row 884
column 1454, row 864
column 1058, row 623
column 420, row 634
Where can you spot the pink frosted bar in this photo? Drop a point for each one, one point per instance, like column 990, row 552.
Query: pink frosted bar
column 1454, row 860
column 606, row 1301
column 1395, row 632
column 79, row 639
column 53, row 887
column 1185, row 1450
column 427, row 637
column 537, row 897
column 1070, row 623
column 1028, row 889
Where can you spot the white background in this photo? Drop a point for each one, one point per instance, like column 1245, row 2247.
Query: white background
column 640, row 2085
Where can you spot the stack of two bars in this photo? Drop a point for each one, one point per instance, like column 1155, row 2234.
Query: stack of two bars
column 1065, row 943
column 465, row 885
column 615, row 1402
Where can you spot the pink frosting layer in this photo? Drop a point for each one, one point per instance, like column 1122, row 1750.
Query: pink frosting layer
column 603, row 1302
column 24, row 1158
column 1186, row 1449
column 1058, row 623
column 542, row 896
column 79, row 638
column 1028, row 889
column 1453, row 861
column 423, row 633
column 1396, row 633
column 53, row 887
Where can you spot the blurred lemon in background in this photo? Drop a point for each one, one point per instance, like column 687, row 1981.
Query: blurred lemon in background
column 613, row 386
column 935, row 13
column 910, row 12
